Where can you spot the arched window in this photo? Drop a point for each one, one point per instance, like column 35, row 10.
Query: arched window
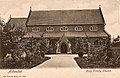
column 49, row 29
column 93, row 28
column 64, row 28
column 35, row 29
column 78, row 28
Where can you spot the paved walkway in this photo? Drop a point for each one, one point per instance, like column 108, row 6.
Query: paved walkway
column 59, row 60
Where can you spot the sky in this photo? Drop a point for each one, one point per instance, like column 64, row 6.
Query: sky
column 20, row 8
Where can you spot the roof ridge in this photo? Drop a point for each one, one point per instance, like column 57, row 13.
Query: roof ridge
column 65, row 10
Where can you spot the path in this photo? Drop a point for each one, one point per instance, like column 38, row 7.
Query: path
column 59, row 60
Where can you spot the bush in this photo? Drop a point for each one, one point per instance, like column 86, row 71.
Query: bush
column 80, row 54
column 109, row 54
column 26, row 53
column 43, row 54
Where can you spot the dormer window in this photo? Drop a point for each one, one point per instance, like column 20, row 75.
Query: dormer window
column 49, row 29
column 35, row 29
column 64, row 28
column 93, row 28
column 78, row 28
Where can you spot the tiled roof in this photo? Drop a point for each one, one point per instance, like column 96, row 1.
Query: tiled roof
column 18, row 21
column 66, row 34
column 65, row 17
column 55, row 34
column 33, row 34
column 97, row 34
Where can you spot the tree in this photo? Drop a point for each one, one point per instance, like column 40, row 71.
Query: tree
column 2, row 24
column 10, row 37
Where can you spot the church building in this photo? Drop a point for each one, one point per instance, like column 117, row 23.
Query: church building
column 62, row 29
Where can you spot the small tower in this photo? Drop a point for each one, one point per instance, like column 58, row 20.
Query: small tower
column 30, row 8
column 10, row 17
column 99, row 6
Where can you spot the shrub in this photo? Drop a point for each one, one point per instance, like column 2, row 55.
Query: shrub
column 80, row 54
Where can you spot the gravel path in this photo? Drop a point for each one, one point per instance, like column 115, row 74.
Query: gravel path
column 59, row 60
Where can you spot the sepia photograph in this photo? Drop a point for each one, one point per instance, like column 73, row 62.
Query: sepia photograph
column 80, row 34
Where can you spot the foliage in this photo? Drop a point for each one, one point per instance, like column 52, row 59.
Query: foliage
column 25, row 52
column 10, row 37
column 28, row 52
column 2, row 23
column 77, row 44
column 80, row 54
column 100, row 57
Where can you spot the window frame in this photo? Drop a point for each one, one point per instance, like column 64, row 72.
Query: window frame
column 79, row 28
column 64, row 28
column 93, row 28
column 50, row 28
column 35, row 29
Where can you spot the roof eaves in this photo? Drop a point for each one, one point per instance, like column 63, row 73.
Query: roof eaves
column 28, row 17
column 107, row 33
column 19, row 18
column 102, row 16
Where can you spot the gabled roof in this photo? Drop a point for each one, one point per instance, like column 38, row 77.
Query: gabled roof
column 65, row 17
column 18, row 21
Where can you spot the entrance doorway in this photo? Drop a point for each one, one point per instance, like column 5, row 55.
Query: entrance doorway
column 63, row 48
